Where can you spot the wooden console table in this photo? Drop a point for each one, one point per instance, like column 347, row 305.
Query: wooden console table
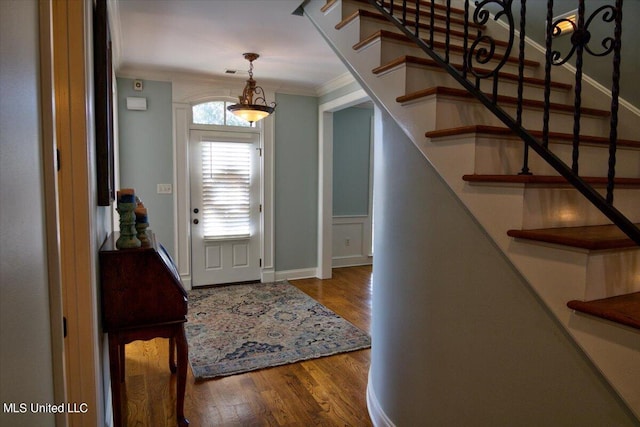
column 142, row 298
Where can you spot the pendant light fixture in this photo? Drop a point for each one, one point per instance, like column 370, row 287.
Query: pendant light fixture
column 249, row 108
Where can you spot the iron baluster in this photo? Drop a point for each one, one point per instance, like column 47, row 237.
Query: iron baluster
column 417, row 33
column 547, row 75
column 615, row 93
column 465, row 42
column 431, row 23
column 483, row 48
column 580, row 38
column 523, row 19
column 404, row 12
column 448, row 31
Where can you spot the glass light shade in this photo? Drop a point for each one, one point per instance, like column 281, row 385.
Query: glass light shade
column 567, row 25
column 251, row 112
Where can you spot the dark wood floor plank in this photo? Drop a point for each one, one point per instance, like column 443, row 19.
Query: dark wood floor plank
column 330, row 391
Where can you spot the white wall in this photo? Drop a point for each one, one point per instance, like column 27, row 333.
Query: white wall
column 25, row 347
column 459, row 338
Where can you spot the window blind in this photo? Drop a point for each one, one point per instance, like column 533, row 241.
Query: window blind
column 226, row 182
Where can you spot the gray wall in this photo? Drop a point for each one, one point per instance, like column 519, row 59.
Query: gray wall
column 459, row 337
column 146, row 152
column 146, row 159
column 25, row 346
column 296, row 182
column 351, row 153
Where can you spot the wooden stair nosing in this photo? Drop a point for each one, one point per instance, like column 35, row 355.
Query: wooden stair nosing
column 503, row 99
column 590, row 237
column 547, row 180
column 381, row 34
column 328, row 5
column 623, row 309
column 428, row 62
column 553, row 136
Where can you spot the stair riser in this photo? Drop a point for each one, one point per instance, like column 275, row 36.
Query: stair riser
column 566, row 207
column 370, row 25
column 458, row 112
column 611, row 274
column 503, row 156
column 420, row 77
column 391, row 49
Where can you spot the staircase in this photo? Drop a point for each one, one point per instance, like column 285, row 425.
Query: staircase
column 583, row 267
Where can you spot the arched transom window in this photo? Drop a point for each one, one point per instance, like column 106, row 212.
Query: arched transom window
column 215, row 113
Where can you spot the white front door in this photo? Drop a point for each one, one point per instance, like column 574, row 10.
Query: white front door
column 225, row 206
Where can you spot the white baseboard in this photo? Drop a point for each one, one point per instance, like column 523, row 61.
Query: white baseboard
column 376, row 413
column 303, row 273
column 351, row 261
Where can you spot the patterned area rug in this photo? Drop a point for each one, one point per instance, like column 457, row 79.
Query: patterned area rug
column 240, row 328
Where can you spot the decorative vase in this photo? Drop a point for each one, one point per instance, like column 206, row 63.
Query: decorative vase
column 142, row 223
column 126, row 207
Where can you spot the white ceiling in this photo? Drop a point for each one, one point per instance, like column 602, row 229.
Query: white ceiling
column 203, row 38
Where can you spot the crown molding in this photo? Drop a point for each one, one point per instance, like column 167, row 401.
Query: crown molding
column 334, row 84
column 174, row 76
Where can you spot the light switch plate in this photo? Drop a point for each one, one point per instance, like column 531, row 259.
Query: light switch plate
column 165, row 189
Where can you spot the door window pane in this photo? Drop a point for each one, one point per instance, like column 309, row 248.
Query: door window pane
column 226, row 185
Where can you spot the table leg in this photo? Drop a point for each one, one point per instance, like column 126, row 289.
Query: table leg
column 183, row 356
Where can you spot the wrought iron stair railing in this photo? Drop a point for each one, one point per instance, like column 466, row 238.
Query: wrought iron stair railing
column 482, row 62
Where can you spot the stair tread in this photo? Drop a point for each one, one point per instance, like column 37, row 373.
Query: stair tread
column 547, row 179
column 554, row 136
column 624, row 309
column 592, row 237
column 428, row 62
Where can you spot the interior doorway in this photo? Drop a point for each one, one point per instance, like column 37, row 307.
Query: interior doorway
column 325, row 179
column 353, row 185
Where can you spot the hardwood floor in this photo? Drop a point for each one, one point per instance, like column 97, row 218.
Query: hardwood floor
column 329, row 391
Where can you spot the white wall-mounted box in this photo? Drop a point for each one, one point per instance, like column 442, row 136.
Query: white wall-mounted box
column 136, row 103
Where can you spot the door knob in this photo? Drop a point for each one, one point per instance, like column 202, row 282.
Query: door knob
column 196, row 210
column 195, row 221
